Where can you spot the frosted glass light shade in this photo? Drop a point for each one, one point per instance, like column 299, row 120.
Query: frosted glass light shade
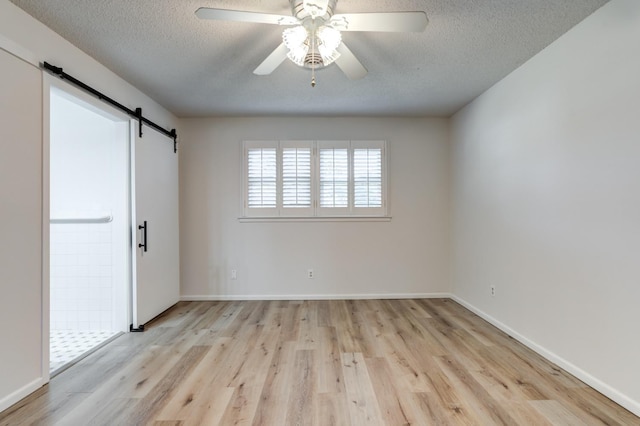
column 298, row 41
column 328, row 41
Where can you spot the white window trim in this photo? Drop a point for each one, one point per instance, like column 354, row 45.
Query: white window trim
column 315, row 213
column 244, row 219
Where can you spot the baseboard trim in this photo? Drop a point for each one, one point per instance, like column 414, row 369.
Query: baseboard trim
column 603, row 388
column 226, row 297
column 15, row 397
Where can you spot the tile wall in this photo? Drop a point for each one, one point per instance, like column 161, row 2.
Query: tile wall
column 81, row 277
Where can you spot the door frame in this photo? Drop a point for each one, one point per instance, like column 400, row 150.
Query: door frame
column 49, row 84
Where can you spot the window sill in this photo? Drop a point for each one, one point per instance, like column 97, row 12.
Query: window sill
column 245, row 219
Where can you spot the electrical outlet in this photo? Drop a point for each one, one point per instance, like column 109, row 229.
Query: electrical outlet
column 234, row 274
column 310, row 274
column 493, row 290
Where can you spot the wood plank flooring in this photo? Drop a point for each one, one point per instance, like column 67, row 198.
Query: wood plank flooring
column 365, row 362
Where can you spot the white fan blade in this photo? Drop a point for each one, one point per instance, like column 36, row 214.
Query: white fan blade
column 387, row 22
column 273, row 61
column 243, row 16
column 349, row 64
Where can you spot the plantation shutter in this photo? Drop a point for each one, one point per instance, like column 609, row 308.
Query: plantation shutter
column 261, row 179
column 368, row 172
column 334, row 172
column 297, row 190
column 367, row 177
column 306, row 178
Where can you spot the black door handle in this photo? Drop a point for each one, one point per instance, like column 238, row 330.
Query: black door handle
column 143, row 245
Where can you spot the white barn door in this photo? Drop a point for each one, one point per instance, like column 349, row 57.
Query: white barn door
column 156, row 271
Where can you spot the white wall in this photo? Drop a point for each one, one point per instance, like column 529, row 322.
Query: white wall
column 407, row 256
column 21, row 230
column 547, row 201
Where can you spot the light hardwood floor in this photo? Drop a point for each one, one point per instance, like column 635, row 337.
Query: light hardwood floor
column 377, row 362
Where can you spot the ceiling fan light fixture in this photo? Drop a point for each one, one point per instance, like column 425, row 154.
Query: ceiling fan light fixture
column 298, row 56
column 328, row 41
column 296, row 40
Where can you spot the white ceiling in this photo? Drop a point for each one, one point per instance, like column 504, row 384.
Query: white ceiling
column 204, row 68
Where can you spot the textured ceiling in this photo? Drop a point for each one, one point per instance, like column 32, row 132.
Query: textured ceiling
column 204, row 68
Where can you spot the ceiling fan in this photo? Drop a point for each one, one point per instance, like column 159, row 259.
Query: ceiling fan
column 313, row 37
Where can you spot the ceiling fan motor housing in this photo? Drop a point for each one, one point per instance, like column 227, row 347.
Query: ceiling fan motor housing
column 313, row 60
column 301, row 9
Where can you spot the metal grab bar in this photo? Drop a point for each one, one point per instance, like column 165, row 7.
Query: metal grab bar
column 67, row 220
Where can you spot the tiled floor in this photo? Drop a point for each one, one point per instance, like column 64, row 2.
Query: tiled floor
column 66, row 346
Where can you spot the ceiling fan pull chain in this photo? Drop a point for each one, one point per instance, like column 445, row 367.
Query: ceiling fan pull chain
column 313, row 58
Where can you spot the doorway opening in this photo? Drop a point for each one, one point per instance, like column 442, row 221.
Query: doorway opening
column 90, row 222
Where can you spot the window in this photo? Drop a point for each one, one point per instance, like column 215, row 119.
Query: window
column 262, row 177
column 367, row 177
column 296, row 177
column 334, row 177
column 314, row 178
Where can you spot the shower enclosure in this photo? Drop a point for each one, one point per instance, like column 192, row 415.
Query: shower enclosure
column 90, row 275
